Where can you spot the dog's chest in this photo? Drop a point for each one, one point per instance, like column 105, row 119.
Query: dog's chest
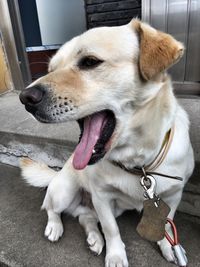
column 116, row 184
column 127, row 190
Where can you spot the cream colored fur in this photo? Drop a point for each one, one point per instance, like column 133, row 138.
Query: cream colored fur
column 144, row 109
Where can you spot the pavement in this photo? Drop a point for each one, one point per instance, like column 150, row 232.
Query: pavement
column 22, row 224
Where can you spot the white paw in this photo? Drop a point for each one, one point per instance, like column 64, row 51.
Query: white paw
column 167, row 251
column 117, row 260
column 95, row 242
column 53, row 231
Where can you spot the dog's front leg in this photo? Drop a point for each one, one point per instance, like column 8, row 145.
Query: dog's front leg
column 62, row 195
column 115, row 248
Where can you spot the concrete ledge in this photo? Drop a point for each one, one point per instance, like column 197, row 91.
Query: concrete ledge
column 15, row 146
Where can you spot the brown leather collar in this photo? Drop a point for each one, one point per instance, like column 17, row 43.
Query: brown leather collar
column 149, row 169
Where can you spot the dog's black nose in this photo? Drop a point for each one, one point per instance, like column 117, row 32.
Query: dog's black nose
column 32, row 96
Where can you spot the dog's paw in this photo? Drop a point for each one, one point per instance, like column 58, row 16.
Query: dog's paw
column 95, row 242
column 116, row 260
column 53, row 231
column 167, row 251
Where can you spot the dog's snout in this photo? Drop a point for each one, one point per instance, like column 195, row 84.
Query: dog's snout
column 32, row 96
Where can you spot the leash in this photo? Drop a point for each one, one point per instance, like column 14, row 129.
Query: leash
column 140, row 171
column 179, row 251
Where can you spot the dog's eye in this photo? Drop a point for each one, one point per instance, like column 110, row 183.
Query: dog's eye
column 89, row 62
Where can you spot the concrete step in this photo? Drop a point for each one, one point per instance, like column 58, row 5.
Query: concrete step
column 22, row 243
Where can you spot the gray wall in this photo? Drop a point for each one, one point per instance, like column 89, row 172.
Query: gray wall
column 60, row 20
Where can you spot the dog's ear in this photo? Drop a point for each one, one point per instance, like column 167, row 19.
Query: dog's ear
column 158, row 50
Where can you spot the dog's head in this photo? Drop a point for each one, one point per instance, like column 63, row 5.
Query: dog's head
column 97, row 77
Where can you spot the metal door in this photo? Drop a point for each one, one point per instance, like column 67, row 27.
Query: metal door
column 181, row 18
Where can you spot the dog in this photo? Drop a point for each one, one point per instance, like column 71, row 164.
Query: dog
column 113, row 81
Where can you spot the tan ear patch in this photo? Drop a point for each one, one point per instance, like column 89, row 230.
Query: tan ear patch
column 158, row 50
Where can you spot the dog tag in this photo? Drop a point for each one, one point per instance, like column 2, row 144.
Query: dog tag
column 155, row 212
column 152, row 224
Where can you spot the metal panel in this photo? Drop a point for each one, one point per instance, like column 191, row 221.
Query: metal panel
column 158, row 14
column 146, row 6
column 177, row 25
column 155, row 13
column 181, row 18
column 9, row 41
column 19, row 40
column 193, row 48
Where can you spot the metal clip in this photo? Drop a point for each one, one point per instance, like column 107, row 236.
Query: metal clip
column 180, row 254
column 149, row 185
column 148, row 182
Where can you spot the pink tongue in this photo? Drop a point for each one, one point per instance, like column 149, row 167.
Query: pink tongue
column 92, row 130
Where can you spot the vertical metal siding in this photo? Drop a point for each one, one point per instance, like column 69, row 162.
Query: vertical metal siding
column 157, row 9
column 177, row 24
column 181, row 18
column 192, row 72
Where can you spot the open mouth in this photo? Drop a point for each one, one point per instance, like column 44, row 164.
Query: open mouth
column 96, row 132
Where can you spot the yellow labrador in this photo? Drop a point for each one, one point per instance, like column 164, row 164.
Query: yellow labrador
column 113, row 81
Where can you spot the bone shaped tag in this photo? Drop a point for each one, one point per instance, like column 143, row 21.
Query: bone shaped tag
column 152, row 223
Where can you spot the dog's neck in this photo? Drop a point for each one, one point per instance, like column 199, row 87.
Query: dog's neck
column 143, row 130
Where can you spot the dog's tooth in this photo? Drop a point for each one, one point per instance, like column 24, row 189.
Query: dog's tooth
column 93, row 151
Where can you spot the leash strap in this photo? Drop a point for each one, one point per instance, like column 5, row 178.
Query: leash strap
column 139, row 171
column 178, row 250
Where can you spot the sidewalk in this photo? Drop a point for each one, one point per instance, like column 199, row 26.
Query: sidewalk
column 22, row 242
